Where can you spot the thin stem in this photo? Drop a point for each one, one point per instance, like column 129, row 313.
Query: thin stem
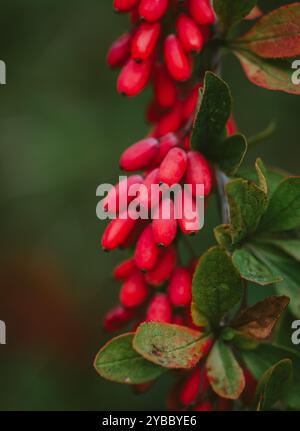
column 222, row 180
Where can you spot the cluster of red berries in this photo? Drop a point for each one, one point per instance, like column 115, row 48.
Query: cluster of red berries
column 151, row 52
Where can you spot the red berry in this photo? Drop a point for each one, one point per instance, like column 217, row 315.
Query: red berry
column 159, row 309
column 116, row 232
column 146, row 251
column 124, row 269
column 117, row 318
column 250, row 388
column 173, row 167
column 231, row 126
column 163, row 269
column 178, row 319
column 119, row 52
column 134, row 291
column 144, row 41
column 190, row 103
column 180, row 287
column 164, row 87
column 154, row 112
column 134, row 77
column 202, row 12
column 164, row 223
column 170, row 122
column 205, row 406
column 177, row 62
column 189, row 34
column 124, row 5
column 153, row 10
column 145, row 196
column 190, row 389
column 198, row 172
column 166, row 143
column 139, row 155
column 188, row 215
column 134, row 234
column 187, row 143
column 119, row 194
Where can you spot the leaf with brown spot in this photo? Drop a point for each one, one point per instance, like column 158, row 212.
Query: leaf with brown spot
column 224, row 373
column 259, row 320
column 171, row 346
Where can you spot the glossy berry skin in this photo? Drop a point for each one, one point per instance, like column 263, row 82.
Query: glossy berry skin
column 177, row 62
column 116, row 232
column 125, row 5
column 144, row 41
column 166, row 143
column 146, row 251
column 189, row 34
column 201, row 11
column 180, row 287
column 124, row 269
column 173, row 167
column 134, row 77
column 190, row 389
column 119, row 191
column 139, row 155
column 119, row 52
column 153, row 10
column 117, row 318
column 159, row 309
column 170, row 122
column 134, row 291
column 187, row 214
column 163, row 269
column 145, row 196
column 164, row 87
column 198, row 172
column 190, row 103
column 164, row 224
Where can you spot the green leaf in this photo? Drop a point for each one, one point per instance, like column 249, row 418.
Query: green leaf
column 271, row 386
column 262, row 175
column 198, row 317
column 266, row 355
column 170, row 346
column 252, row 269
column 275, row 35
column 230, row 153
column 273, row 177
column 224, row 373
column 223, row 236
column 230, row 12
column 217, row 286
column 244, row 342
column 289, row 246
column 259, row 320
column 214, row 111
column 119, row 362
column 268, row 73
column 247, row 205
column 283, row 212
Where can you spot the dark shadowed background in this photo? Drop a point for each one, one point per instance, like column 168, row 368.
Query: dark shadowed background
column 62, row 129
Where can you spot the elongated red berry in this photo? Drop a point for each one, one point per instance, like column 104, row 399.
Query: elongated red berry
column 118, row 198
column 189, row 217
column 119, row 51
column 116, row 232
column 163, row 269
column 190, row 389
column 189, row 34
column 134, row 234
column 190, row 103
column 139, row 155
column 117, row 318
column 154, row 112
column 231, row 126
column 180, row 287
column 145, row 40
column 164, row 87
column 124, row 269
column 178, row 64
column 153, row 10
column 134, row 291
column 170, row 122
column 164, row 223
column 205, row 406
column 166, row 143
column 173, row 167
column 145, row 197
column 134, row 77
column 159, row 309
column 201, row 11
column 124, row 5
column 198, row 172
column 146, row 251
column 250, row 388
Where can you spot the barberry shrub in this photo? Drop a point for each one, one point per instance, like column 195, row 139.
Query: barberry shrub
column 194, row 316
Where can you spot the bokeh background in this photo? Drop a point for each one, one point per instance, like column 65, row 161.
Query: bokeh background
column 62, row 128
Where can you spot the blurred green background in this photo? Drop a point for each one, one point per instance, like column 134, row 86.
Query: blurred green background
column 62, row 128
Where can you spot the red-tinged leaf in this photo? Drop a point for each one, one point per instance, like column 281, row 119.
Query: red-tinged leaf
column 254, row 14
column 276, row 35
column 269, row 74
column 171, row 346
column 224, row 373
